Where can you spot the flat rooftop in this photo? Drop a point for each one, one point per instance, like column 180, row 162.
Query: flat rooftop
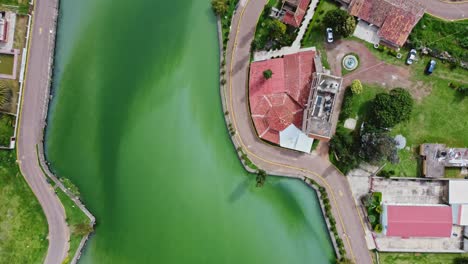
column 438, row 156
column 318, row 121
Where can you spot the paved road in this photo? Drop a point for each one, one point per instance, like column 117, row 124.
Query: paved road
column 450, row 11
column 30, row 134
column 283, row 161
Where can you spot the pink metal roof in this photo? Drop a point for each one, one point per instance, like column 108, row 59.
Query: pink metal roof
column 419, row 221
column 279, row 101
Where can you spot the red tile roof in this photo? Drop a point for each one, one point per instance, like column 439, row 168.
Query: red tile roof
column 419, row 221
column 396, row 18
column 295, row 19
column 279, row 101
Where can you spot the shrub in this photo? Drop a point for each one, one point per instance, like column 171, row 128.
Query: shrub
column 377, row 196
column 267, row 74
column 378, row 209
column 378, row 228
column 372, row 219
column 223, row 81
column 220, row 7
column 332, row 221
column 356, row 87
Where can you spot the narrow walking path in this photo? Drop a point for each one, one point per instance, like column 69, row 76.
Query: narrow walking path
column 296, row 46
column 285, row 162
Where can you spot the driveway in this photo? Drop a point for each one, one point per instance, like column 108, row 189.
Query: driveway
column 280, row 161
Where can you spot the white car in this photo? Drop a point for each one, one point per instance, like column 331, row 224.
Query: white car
column 411, row 57
column 329, row 35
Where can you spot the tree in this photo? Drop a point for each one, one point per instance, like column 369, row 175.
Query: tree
column 356, row 87
column 392, row 108
column 220, row 7
column 340, row 21
column 267, row 74
column 261, row 178
column 376, row 147
column 276, row 28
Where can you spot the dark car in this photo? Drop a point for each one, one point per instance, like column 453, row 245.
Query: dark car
column 430, row 66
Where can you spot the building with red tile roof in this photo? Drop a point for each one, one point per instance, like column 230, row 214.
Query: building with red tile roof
column 295, row 11
column 279, row 101
column 417, row 221
column 395, row 18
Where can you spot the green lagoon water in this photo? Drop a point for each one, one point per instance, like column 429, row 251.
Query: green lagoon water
column 136, row 123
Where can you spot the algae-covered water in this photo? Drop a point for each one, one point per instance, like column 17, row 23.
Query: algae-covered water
column 136, row 123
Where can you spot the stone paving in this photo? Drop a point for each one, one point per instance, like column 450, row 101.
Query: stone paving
column 405, row 191
column 451, row 244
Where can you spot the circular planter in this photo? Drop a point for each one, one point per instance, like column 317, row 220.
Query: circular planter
column 376, row 46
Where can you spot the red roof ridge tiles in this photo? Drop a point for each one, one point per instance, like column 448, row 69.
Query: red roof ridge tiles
column 295, row 19
column 278, row 102
column 395, row 18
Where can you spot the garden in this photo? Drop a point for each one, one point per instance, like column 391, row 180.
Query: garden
column 6, row 63
column 373, row 204
column 327, row 14
column 272, row 33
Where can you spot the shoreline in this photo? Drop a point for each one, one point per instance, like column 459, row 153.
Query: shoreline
column 43, row 163
column 252, row 171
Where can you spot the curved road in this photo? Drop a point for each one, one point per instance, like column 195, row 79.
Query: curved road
column 282, row 161
column 30, row 128
column 445, row 10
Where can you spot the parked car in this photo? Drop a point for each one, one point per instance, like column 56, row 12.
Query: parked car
column 411, row 57
column 329, row 35
column 430, row 66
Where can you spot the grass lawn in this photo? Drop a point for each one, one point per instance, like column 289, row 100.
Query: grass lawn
column 418, row 258
column 6, row 63
column 6, row 129
column 315, row 34
column 438, row 118
column 23, row 226
column 22, row 6
column 75, row 217
column 442, row 36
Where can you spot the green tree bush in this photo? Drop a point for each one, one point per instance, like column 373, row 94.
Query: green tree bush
column 356, row 87
column 267, row 74
column 376, row 147
column 391, row 108
column 220, row 7
column 341, row 22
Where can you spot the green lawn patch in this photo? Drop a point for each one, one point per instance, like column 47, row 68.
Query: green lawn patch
column 23, row 226
column 21, row 6
column 315, row 34
column 6, row 129
column 6, row 63
column 78, row 222
column 419, row 258
column 440, row 35
column 453, row 173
